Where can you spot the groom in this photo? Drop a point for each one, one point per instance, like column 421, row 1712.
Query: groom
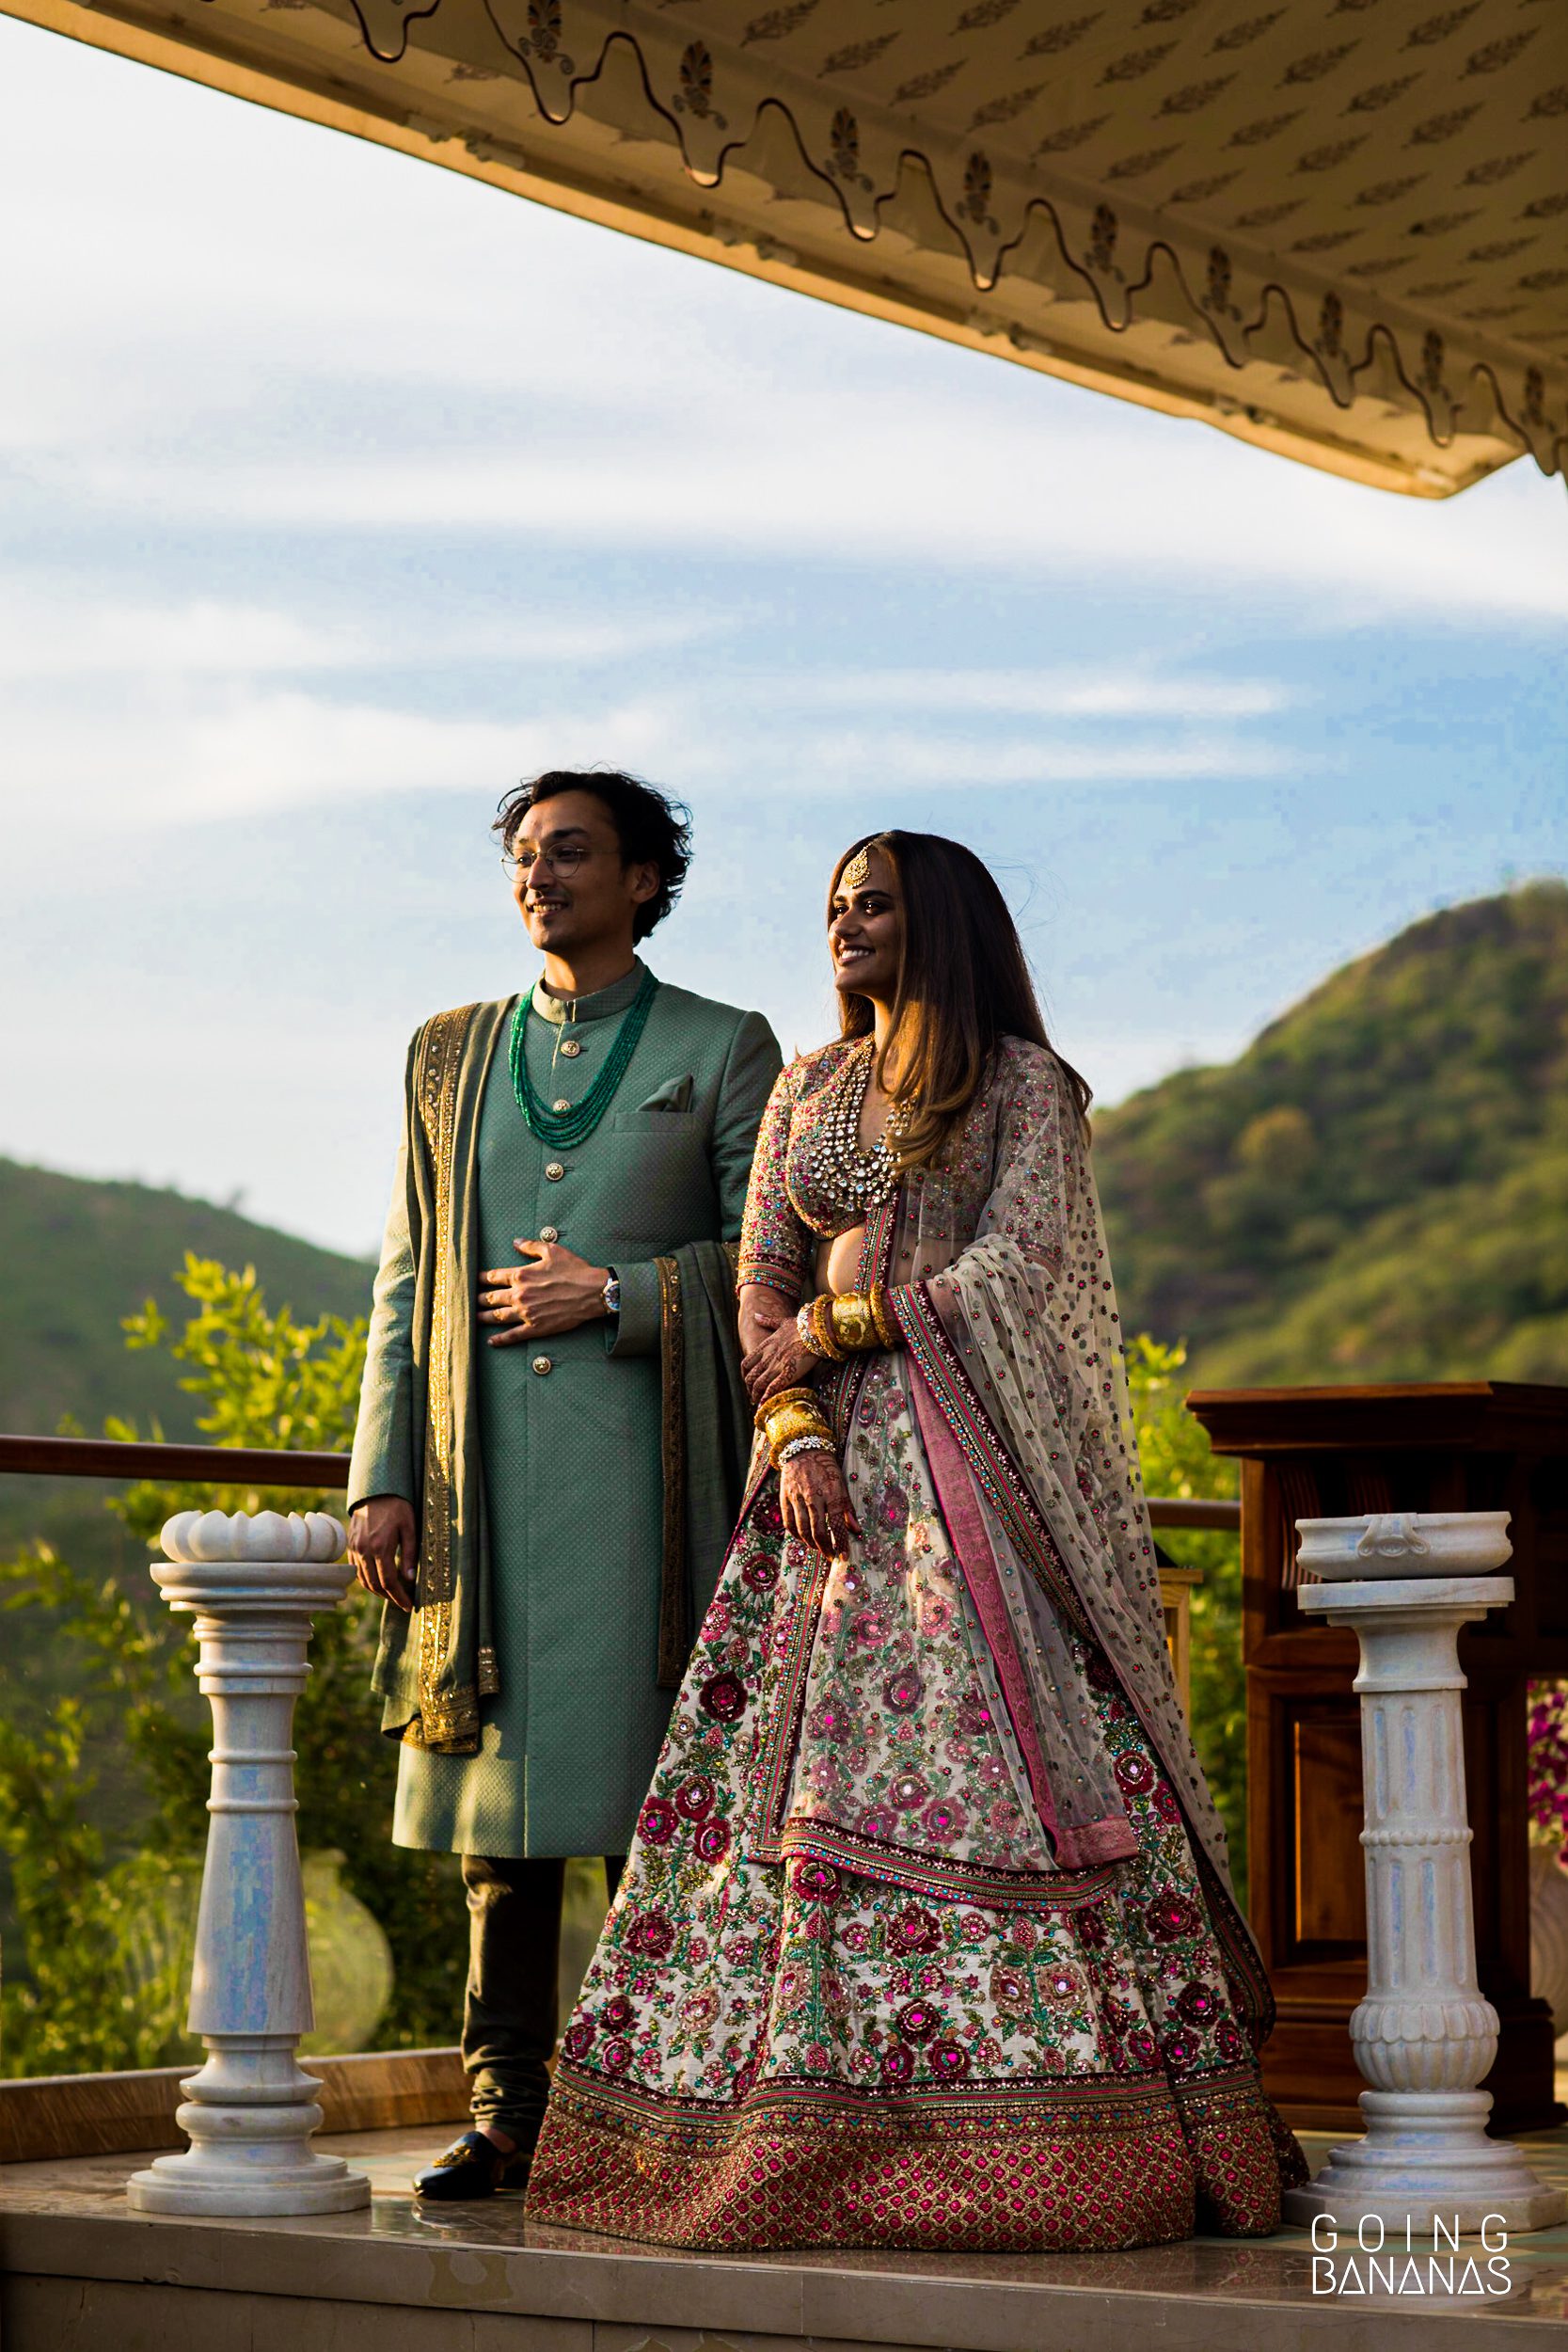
column 553, row 1431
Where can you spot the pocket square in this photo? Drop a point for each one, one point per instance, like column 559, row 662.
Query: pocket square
column 674, row 1095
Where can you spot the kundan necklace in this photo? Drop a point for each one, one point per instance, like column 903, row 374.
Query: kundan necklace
column 852, row 1177
column 578, row 1125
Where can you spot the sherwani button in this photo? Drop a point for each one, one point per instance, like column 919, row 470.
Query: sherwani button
column 571, row 1046
column 560, row 1104
column 554, row 1171
column 543, row 1364
column 547, row 1232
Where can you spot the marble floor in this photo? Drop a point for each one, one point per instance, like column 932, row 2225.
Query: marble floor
column 79, row 2270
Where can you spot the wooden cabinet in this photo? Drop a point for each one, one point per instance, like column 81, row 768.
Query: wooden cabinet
column 1320, row 1452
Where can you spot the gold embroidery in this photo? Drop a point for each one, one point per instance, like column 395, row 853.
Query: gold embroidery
column 674, row 1614
column 448, row 1719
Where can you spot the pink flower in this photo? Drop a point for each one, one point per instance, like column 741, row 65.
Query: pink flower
column 658, row 1825
column 713, row 1839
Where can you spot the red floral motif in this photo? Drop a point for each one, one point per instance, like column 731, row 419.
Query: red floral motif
column 1008, row 1989
column 713, row 1839
column 1134, row 1772
column 948, row 2060
column 903, row 1691
column 694, row 1798
column 1091, row 1929
column 723, row 1698
column 1180, row 2052
column 945, row 1819
column 579, row 2038
column 909, row 1791
column 918, row 2021
column 615, row 2056
column 818, row 1881
column 654, row 1935
column 761, row 1572
column 897, row 2063
column 1229, row 2041
column 1166, row 1806
column 1195, row 2003
column 1170, row 1915
column 658, row 1825
column 1141, row 2045
column 916, row 1930
column 618, row 2013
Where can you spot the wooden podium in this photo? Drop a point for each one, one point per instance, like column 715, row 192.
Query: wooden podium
column 1319, row 1453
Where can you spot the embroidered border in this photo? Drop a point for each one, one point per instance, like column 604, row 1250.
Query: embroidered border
column 1081, row 2167
column 992, row 1884
column 674, row 1608
column 448, row 1719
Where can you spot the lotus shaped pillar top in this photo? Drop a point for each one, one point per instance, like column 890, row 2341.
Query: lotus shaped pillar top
column 193, row 1536
column 1391, row 1545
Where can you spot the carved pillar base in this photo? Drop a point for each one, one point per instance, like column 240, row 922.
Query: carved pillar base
column 249, row 2116
column 1426, row 2154
column 253, row 1585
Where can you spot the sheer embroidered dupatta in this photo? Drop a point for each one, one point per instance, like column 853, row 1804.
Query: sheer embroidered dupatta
column 1018, row 1378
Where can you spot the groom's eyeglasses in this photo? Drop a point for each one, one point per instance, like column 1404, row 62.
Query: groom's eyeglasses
column 562, row 857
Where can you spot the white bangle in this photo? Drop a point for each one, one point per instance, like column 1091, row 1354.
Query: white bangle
column 804, row 1445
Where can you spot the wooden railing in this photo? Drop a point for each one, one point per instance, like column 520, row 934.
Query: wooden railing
column 238, row 1466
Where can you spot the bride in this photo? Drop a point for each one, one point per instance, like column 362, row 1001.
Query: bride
column 926, row 1938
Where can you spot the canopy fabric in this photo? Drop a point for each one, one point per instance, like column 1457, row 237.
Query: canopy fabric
column 1336, row 227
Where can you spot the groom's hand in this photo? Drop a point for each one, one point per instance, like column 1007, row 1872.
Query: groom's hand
column 383, row 1547
column 553, row 1291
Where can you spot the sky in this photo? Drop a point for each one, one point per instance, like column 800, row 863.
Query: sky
column 337, row 493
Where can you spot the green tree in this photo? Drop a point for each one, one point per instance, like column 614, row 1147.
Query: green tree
column 261, row 1378
column 1177, row 1462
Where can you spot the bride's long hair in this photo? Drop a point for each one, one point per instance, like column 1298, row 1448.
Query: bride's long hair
column 963, row 985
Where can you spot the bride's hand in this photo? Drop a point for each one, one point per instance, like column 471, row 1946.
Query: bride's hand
column 815, row 1504
column 778, row 1361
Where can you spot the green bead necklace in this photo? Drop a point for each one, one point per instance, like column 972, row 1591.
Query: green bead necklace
column 575, row 1126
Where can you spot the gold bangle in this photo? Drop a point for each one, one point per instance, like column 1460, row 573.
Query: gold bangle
column 797, row 1421
column 803, row 1395
column 853, row 1327
column 823, row 1332
column 883, row 1316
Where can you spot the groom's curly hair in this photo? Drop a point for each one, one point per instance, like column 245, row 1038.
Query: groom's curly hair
column 654, row 828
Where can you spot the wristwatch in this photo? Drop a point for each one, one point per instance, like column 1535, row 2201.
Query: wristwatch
column 611, row 1294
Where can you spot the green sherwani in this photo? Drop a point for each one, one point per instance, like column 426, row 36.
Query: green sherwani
column 573, row 1493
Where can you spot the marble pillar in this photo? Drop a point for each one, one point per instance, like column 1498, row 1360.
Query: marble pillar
column 252, row 1584
column 1423, row 2037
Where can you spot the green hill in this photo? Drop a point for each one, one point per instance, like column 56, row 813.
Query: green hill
column 1377, row 1189
column 79, row 1255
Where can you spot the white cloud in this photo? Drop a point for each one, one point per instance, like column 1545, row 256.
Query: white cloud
column 1053, row 694
column 57, row 635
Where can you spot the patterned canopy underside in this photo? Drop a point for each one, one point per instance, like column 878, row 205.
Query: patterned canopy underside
column 1336, row 227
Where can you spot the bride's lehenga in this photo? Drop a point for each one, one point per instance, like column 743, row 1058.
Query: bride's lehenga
column 925, row 1939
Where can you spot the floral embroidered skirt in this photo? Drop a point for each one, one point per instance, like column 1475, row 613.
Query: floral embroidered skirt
column 844, row 1996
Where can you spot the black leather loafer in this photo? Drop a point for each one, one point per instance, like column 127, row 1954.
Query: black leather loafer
column 472, row 2167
